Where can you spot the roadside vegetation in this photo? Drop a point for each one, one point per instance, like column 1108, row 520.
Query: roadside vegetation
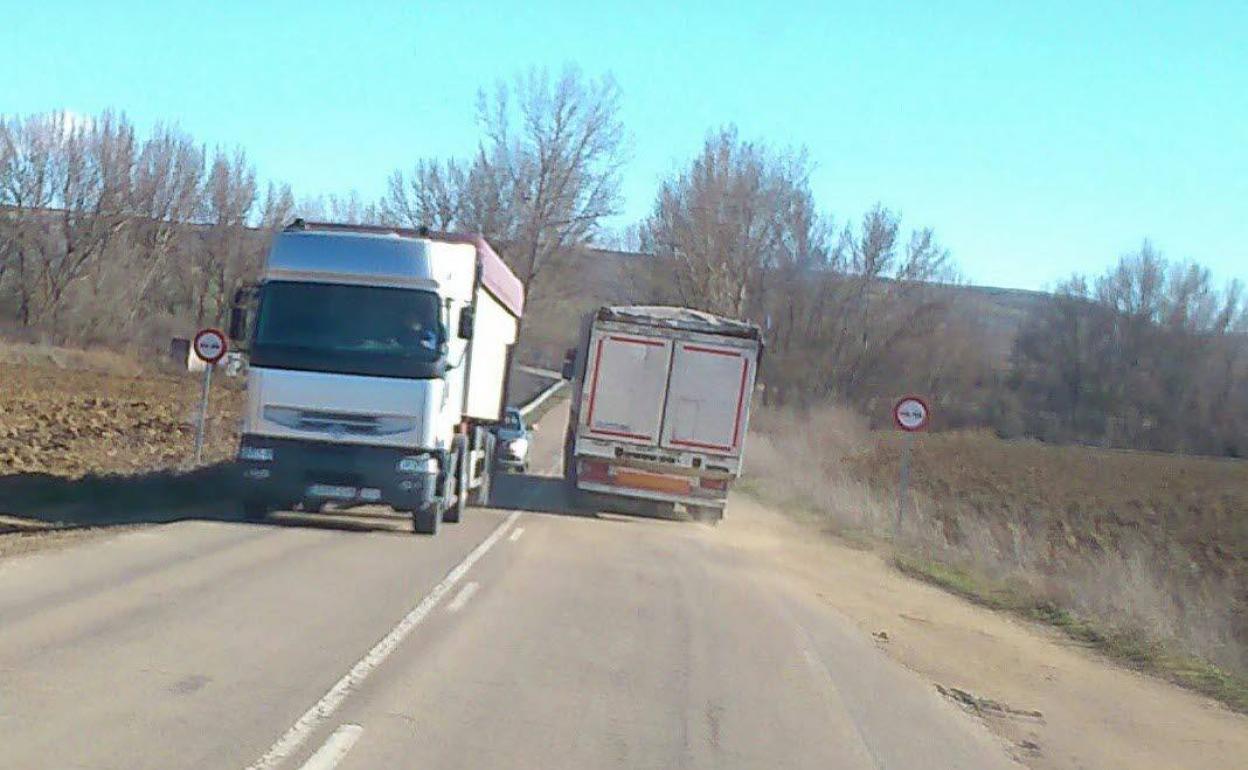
column 1142, row 556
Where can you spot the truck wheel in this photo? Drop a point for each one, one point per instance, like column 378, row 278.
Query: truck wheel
column 426, row 519
column 255, row 509
column 455, row 511
column 481, row 495
column 706, row 514
column 659, row 510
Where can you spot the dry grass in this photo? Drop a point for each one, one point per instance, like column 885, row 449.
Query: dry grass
column 1143, row 555
column 50, row 356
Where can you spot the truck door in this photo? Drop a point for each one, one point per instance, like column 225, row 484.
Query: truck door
column 710, row 385
column 627, row 386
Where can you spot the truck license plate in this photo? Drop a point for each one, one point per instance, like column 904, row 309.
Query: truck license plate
column 331, row 491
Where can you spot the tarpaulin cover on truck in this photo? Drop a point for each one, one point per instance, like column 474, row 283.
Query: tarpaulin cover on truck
column 680, row 318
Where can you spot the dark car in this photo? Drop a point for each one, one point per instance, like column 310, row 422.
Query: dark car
column 513, row 438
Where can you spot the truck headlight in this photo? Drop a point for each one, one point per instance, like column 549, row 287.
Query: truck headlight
column 257, row 454
column 418, row 464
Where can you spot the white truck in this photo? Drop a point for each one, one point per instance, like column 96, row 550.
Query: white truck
column 660, row 405
column 378, row 359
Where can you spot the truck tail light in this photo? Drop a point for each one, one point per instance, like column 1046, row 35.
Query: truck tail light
column 719, row 485
column 594, row 470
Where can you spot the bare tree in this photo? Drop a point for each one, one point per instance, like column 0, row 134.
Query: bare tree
column 167, row 194
column 348, row 209
column 434, row 195
column 1146, row 356
column 67, row 186
column 278, row 207
column 222, row 262
column 543, row 179
column 737, row 232
column 738, row 211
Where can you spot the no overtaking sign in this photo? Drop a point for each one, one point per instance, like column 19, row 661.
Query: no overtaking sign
column 911, row 414
column 210, row 345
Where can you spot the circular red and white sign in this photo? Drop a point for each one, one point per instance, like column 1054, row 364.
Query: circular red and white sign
column 210, row 345
column 911, row 414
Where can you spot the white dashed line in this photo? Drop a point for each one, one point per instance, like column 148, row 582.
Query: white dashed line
column 329, row 703
column 516, row 533
column 334, row 749
column 462, row 597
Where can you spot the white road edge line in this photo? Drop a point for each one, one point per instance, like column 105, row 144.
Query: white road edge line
column 462, row 597
column 516, row 533
column 334, row 749
column 329, row 703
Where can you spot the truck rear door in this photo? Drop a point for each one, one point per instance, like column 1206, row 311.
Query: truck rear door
column 627, row 386
column 706, row 403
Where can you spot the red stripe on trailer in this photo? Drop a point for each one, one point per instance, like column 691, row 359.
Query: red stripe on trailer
column 736, row 431
column 638, row 340
column 715, row 351
column 699, row 444
column 621, row 434
column 593, row 385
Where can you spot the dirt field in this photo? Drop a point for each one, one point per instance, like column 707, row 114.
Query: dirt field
column 72, row 422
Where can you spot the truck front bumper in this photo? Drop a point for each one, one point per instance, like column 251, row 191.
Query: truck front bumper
column 282, row 472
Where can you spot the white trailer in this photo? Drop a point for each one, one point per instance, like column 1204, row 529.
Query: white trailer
column 661, row 403
column 377, row 363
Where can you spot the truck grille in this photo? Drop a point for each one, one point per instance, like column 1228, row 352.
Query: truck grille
column 338, row 423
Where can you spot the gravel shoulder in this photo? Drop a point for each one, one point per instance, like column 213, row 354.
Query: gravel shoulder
column 1056, row 703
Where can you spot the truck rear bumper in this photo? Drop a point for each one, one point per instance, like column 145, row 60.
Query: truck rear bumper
column 596, row 475
column 311, row 471
column 648, row 494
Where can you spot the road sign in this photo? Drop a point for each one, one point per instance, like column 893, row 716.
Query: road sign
column 911, row 414
column 210, row 345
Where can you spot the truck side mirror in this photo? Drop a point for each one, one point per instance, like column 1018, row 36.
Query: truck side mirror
column 569, row 364
column 467, row 320
column 238, row 324
column 240, row 312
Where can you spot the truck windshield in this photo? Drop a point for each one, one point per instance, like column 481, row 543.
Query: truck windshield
column 367, row 330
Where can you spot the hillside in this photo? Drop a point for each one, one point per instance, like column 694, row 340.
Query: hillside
column 594, row 277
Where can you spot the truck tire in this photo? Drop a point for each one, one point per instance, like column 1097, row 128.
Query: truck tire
column 426, row 520
column 455, row 511
column 706, row 514
column 255, row 509
column 658, row 509
column 481, row 495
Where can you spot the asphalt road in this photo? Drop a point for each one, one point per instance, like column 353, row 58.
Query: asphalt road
column 523, row 637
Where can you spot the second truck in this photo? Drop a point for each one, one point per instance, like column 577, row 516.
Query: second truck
column 660, row 406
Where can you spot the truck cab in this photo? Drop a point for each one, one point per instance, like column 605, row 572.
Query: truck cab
column 377, row 363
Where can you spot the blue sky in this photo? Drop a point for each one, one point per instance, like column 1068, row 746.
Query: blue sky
column 1037, row 138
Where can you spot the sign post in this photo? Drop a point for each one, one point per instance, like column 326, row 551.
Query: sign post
column 911, row 415
column 210, row 346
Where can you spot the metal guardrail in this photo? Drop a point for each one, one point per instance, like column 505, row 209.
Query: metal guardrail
column 551, row 373
column 541, row 397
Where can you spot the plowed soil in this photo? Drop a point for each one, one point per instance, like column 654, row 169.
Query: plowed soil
column 71, row 423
